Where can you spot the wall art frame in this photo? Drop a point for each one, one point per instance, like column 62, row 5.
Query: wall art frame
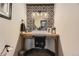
column 6, row 10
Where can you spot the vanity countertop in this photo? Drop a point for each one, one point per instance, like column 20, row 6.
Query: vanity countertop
column 38, row 33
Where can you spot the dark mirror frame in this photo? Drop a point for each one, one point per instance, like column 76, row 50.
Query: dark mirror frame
column 10, row 13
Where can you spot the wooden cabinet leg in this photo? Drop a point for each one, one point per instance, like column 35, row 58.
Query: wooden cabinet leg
column 23, row 43
column 56, row 46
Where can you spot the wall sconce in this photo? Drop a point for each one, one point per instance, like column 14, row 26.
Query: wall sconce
column 39, row 14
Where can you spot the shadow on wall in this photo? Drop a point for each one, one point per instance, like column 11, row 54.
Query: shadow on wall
column 18, row 46
column 60, row 48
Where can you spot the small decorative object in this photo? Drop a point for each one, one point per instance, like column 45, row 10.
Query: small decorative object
column 54, row 30
column 49, row 30
column 6, row 10
column 22, row 29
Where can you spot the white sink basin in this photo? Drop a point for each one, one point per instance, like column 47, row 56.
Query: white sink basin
column 41, row 33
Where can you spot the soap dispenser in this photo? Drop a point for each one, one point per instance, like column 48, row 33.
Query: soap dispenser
column 22, row 28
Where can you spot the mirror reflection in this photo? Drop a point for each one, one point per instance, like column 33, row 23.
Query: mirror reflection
column 38, row 17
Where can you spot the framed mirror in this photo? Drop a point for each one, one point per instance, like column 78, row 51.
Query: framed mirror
column 39, row 19
column 38, row 12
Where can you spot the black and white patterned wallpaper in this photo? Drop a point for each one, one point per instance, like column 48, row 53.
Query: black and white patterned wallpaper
column 40, row 7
